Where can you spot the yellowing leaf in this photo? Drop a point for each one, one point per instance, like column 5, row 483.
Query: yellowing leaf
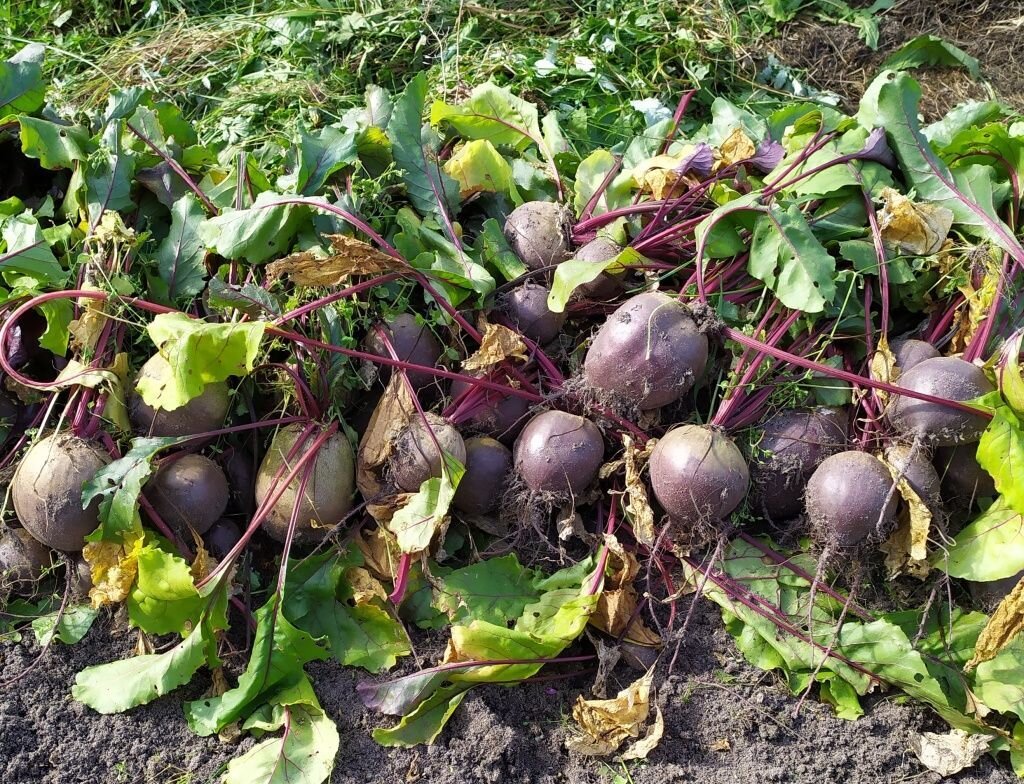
column 911, row 228
column 498, row 344
column 114, row 567
column 1005, row 623
column 348, row 257
column 365, row 587
column 615, row 611
column 906, row 548
column 380, row 553
column 606, row 724
column 86, row 329
column 426, row 511
column 479, row 168
column 883, row 366
column 737, row 147
column 661, row 177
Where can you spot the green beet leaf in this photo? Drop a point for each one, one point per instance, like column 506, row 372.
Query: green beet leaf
column 54, row 146
column 181, row 256
column 495, row 253
column 27, row 253
column 415, row 524
column 263, row 231
column 21, row 82
column 425, row 722
column 571, row 274
column 69, row 627
column 198, row 353
column 791, row 261
column 931, row 50
column 317, row 158
column 1001, row 454
column 164, row 599
column 591, row 174
column 492, row 113
column 990, row 548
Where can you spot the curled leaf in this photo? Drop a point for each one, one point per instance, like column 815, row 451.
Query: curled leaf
column 606, row 724
column 114, row 566
column 915, row 229
column 638, row 507
column 392, row 414
column 348, row 257
column 1005, row 623
column 951, row 752
column 906, row 549
column 736, row 147
column 883, row 366
column 499, row 343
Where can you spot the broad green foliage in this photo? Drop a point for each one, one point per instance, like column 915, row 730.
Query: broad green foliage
column 1001, row 454
column 182, row 254
column 197, row 353
column 989, row 548
column 317, row 158
column 69, row 626
column 787, row 256
column 258, row 233
column 494, row 114
column 21, row 81
column 164, row 599
column 415, row 524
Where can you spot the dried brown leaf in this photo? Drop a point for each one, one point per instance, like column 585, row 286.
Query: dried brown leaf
column 1003, row 625
column 737, row 147
column 86, row 329
column 906, row 549
column 380, row 552
column 394, row 411
column 349, row 257
column 638, row 506
column 951, row 752
column 907, row 227
column 365, row 587
column 616, row 609
column 498, row 344
column 720, row 744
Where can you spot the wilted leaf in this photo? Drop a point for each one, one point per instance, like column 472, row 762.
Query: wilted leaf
column 86, row 329
column 348, row 257
column 607, row 724
column 736, row 147
column 252, row 300
column 1005, row 623
column 883, row 366
column 498, row 344
column 197, row 353
column 380, row 553
column 638, row 507
column 113, row 566
column 911, row 228
column 931, row 50
column 949, row 753
column 393, row 412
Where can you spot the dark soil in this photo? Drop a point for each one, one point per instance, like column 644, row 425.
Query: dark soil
column 725, row 722
column 836, row 59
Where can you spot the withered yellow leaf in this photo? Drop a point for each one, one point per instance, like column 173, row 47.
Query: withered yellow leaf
column 1004, row 624
column 638, row 506
column 380, row 552
column 348, row 257
column 114, row 567
column 882, row 366
column 497, row 344
column 391, row 415
column 736, row 147
column 365, row 587
column 616, row 609
column 908, row 227
column 606, row 724
column 906, row 549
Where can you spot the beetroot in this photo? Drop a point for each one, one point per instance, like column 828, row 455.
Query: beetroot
column 792, row 444
column 936, row 424
column 850, row 499
column 606, row 285
column 413, row 342
column 538, row 233
column 190, row 492
column 909, row 352
column 22, row 562
column 963, row 478
column 559, row 454
column 47, row 490
column 240, row 470
column 488, row 463
column 648, row 353
column 222, row 536
column 416, row 458
column 199, row 415
column 494, row 414
column 327, row 496
column 527, row 308
column 698, row 475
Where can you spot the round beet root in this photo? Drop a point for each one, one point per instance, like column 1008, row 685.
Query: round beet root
column 606, row 285
column 222, row 536
column 939, row 425
column 47, row 490
column 81, row 577
column 488, row 463
column 327, row 496
column 527, row 308
column 413, row 342
column 791, row 446
column 200, row 414
column 538, row 233
column 189, row 492
column 494, row 414
column 910, row 352
column 22, row 562
column 240, row 471
column 919, row 472
column 648, row 353
column 416, row 458
column 850, row 499
column 962, row 476
column 559, row 454
column 698, row 475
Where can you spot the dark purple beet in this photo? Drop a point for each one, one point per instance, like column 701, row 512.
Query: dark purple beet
column 850, row 499
column 416, row 457
column 909, row 352
column 606, row 285
column 792, row 444
column 648, row 353
column 240, row 470
column 488, row 463
column 189, row 492
column 527, row 308
column 559, row 454
column 538, row 233
column 221, row 537
column 698, row 475
column 413, row 342
column 962, row 476
column 939, row 425
column 22, row 562
column 23, row 339
column 919, row 472
column 496, row 415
